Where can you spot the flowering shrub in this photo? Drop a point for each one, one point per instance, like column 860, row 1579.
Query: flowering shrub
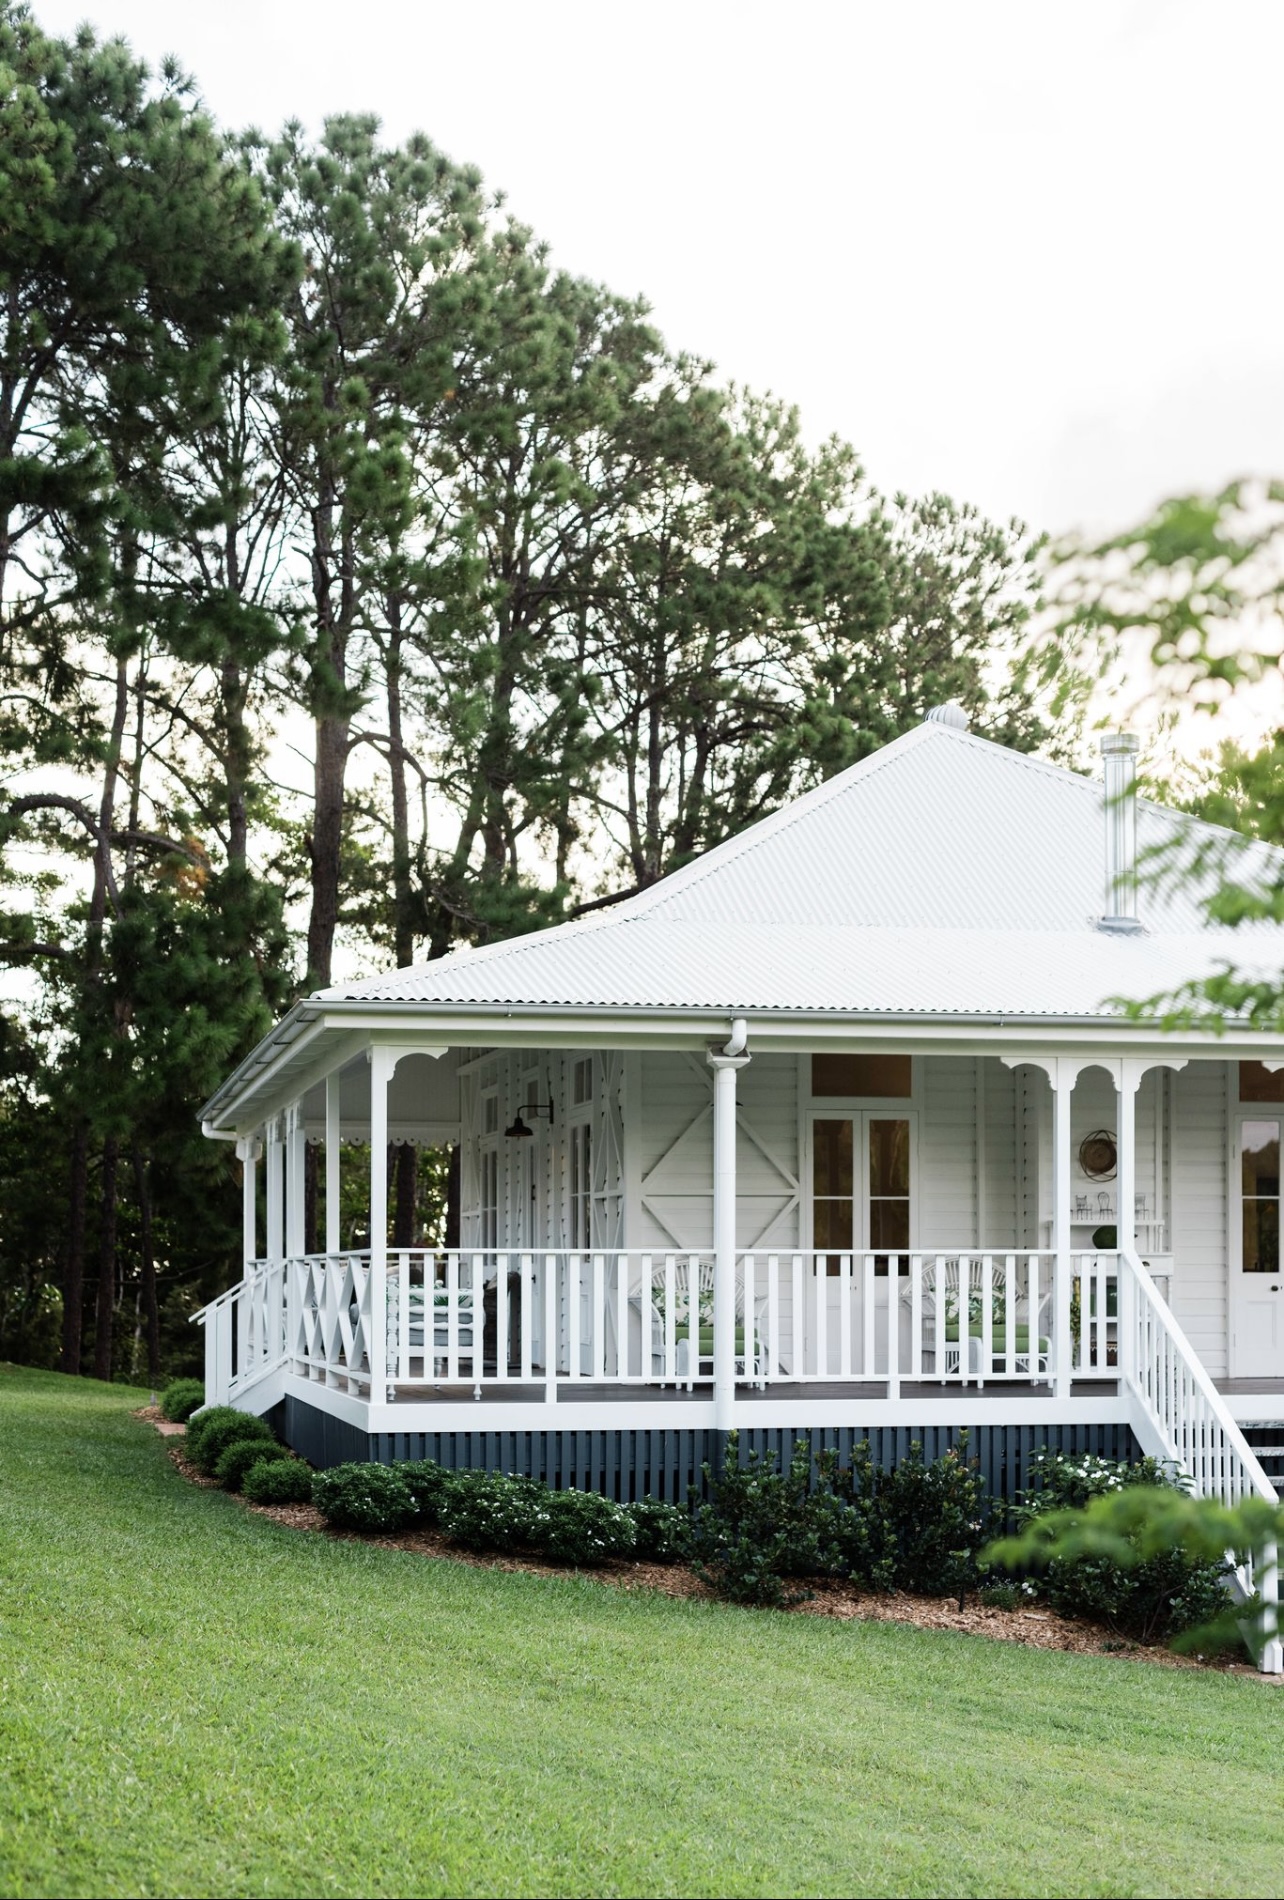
column 427, row 1482
column 662, row 1532
column 582, row 1528
column 360, row 1497
column 1146, row 1597
column 484, row 1510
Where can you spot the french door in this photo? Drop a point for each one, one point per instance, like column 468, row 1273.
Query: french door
column 862, row 1203
column 862, row 1185
column 1256, row 1279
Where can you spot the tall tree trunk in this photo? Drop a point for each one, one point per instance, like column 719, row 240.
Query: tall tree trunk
column 311, row 1193
column 147, row 1261
column 326, row 845
column 403, row 921
column 237, row 744
column 73, row 1276
column 454, row 1196
column 405, row 1194
column 105, row 1311
column 78, row 1182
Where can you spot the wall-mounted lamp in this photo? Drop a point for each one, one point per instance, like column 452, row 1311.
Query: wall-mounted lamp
column 518, row 1129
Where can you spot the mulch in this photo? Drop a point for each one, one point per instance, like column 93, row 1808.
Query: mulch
column 825, row 1596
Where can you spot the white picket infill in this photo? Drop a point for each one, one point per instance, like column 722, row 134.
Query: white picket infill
column 826, row 1317
column 245, row 1334
column 645, row 1318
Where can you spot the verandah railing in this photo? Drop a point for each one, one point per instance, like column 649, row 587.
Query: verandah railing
column 486, row 1317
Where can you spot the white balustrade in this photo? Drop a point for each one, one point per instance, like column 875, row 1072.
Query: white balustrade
column 245, row 1332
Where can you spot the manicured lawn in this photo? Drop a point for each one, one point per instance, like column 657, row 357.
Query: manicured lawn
column 195, row 1702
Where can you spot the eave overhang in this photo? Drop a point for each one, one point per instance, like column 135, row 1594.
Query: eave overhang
column 318, row 1036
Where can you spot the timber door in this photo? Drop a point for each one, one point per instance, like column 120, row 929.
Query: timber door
column 1256, row 1280
column 862, row 1203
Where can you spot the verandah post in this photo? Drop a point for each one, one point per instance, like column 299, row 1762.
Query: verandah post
column 1062, row 1076
column 725, row 1063
column 295, row 1183
column 248, row 1149
column 274, row 1239
column 382, row 1063
column 332, row 1159
column 1130, row 1074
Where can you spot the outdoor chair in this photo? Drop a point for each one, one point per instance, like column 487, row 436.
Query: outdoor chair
column 964, row 1324
column 691, row 1366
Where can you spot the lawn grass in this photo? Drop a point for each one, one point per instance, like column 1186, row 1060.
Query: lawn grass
column 193, row 1701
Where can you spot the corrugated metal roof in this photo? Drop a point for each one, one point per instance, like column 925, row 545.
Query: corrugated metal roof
column 943, row 875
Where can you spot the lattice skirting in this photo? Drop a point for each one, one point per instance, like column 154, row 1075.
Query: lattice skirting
column 666, row 1464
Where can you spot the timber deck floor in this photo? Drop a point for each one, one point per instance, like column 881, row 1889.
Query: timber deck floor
column 591, row 1394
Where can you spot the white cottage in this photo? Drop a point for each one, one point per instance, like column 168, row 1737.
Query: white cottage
column 840, row 1130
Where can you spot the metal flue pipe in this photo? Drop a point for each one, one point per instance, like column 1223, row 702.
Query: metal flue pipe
column 1119, row 757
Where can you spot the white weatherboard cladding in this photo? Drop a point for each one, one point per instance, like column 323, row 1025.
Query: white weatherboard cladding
column 675, row 1152
column 947, row 1152
column 1200, row 1195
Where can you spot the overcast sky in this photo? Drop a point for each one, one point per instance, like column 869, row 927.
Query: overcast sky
column 1028, row 254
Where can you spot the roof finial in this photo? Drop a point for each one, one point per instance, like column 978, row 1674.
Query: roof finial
column 951, row 714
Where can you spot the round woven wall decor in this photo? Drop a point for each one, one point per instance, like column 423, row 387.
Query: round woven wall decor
column 1098, row 1155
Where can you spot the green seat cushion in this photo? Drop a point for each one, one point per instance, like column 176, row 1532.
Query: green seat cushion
column 998, row 1338
column 706, row 1339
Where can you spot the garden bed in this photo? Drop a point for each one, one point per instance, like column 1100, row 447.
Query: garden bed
column 1033, row 1627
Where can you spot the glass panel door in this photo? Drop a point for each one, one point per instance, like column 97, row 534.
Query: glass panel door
column 861, row 1204
column 860, row 1184
column 888, row 1146
column 1257, row 1287
column 833, row 1176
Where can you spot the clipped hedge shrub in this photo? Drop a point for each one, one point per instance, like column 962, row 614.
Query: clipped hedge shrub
column 278, row 1481
column 1151, row 1600
column 181, row 1398
column 363, row 1497
column 241, row 1456
column 582, row 1528
column 484, row 1510
column 217, row 1436
column 662, row 1532
column 197, row 1427
column 427, row 1483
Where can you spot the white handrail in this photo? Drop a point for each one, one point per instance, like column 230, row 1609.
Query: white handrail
column 1193, row 1422
column 1166, row 1374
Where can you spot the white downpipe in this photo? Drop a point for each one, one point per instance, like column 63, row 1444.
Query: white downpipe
column 1062, row 1087
column 725, row 1063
